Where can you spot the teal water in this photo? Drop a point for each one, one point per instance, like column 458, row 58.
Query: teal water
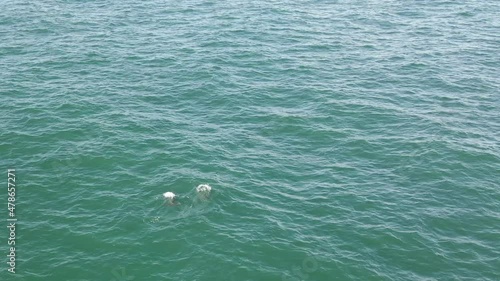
column 344, row 140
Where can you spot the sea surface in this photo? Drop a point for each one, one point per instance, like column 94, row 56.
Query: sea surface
column 343, row 140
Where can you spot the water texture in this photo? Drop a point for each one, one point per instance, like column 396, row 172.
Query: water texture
column 343, row 140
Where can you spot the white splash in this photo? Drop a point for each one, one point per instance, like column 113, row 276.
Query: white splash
column 205, row 188
column 169, row 195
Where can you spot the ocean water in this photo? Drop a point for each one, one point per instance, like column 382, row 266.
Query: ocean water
column 343, row 140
